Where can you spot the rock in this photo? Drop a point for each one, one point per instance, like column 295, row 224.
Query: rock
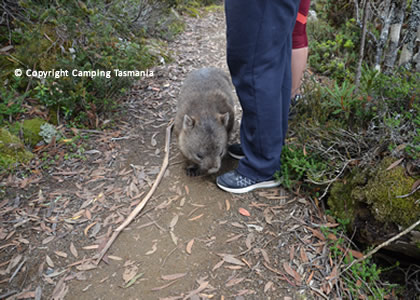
column 12, row 150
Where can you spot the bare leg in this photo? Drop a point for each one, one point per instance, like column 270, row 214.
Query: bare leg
column 299, row 59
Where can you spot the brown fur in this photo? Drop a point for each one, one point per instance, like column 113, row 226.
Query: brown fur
column 204, row 119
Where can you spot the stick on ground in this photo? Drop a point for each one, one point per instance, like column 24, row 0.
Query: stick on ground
column 386, row 243
column 143, row 202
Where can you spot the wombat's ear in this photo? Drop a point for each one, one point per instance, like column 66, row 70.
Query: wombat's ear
column 224, row 119
column 188, row 122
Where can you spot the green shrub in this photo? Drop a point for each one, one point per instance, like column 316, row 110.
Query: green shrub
column 362, row 280
column 335, row 11
column 398, row 89
column 394, row 97
column 74, row 35
column 296, row 165
column 336, row 125
column 353, row 110
column 11, row 101
column 333, row 51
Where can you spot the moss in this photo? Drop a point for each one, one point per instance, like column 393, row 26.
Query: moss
column 12, row 150
column 376, row 189
column 341, row 201
column 31, row 129
column 382, row 191
column 52, row 114
column 15, row 128
column 31, row 52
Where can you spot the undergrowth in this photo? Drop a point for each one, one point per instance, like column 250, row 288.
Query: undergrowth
column 52, row 37
column 339, row 127
column 84, row 36
column 296, row 165
column 362, row 280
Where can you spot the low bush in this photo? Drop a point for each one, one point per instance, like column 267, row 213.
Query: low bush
column 333, row 50
column 92, row 36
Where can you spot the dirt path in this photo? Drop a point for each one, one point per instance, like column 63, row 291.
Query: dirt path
column 191, row 225
column 190, row 242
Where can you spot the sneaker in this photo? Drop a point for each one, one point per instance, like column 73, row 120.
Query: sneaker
column 293, row 102
column 235, row 151
column 234, row 182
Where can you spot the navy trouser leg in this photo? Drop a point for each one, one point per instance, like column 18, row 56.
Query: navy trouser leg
column 259, row 56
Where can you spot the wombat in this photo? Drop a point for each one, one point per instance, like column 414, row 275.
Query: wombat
column 204, row 119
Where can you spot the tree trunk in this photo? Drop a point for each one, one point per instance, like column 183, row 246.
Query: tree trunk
column 395, row 33
column 417, row 59
column 388, row 12
column 366, row 11
column 409, row 43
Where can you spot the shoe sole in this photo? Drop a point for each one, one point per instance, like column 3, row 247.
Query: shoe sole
column 259, row 185
column 236, row 156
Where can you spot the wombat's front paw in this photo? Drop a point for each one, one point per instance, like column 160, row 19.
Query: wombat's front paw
column 193, row 171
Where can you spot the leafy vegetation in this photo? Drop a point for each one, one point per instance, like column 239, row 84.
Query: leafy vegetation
column 296, row 164
column 93, row 38
column 11, row 101
column 345, row 137
column 333, row 49
column 51, row 37
column 362, row 279
column 82, row 44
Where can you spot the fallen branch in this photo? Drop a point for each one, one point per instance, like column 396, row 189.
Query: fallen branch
column 386, row 243
column 143, row 202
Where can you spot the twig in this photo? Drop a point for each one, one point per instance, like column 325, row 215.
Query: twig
column 319, row 292
column 17, row 270
column 167, row 256
column 274, row 238
column 386, row 243
column 331, row 180
column 156, row 224
column 91, row 131
column 9, row 293
column 120, row 138
column 278, row 272
column 140, row 206
column 410, row 193
column 141, row 8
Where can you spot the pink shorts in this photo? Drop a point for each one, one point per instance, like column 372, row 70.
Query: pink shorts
column 299, row 36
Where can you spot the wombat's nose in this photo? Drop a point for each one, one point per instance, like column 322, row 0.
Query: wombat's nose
column 213, row 170
column 214, row 167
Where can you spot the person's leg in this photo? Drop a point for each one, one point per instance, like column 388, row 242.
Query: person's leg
column 300, row 47
column 299, row 60
column 259, row 59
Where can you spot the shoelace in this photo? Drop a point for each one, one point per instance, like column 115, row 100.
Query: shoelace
column 244, row 181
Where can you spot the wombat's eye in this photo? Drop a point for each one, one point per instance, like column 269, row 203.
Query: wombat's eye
column 199, row 156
